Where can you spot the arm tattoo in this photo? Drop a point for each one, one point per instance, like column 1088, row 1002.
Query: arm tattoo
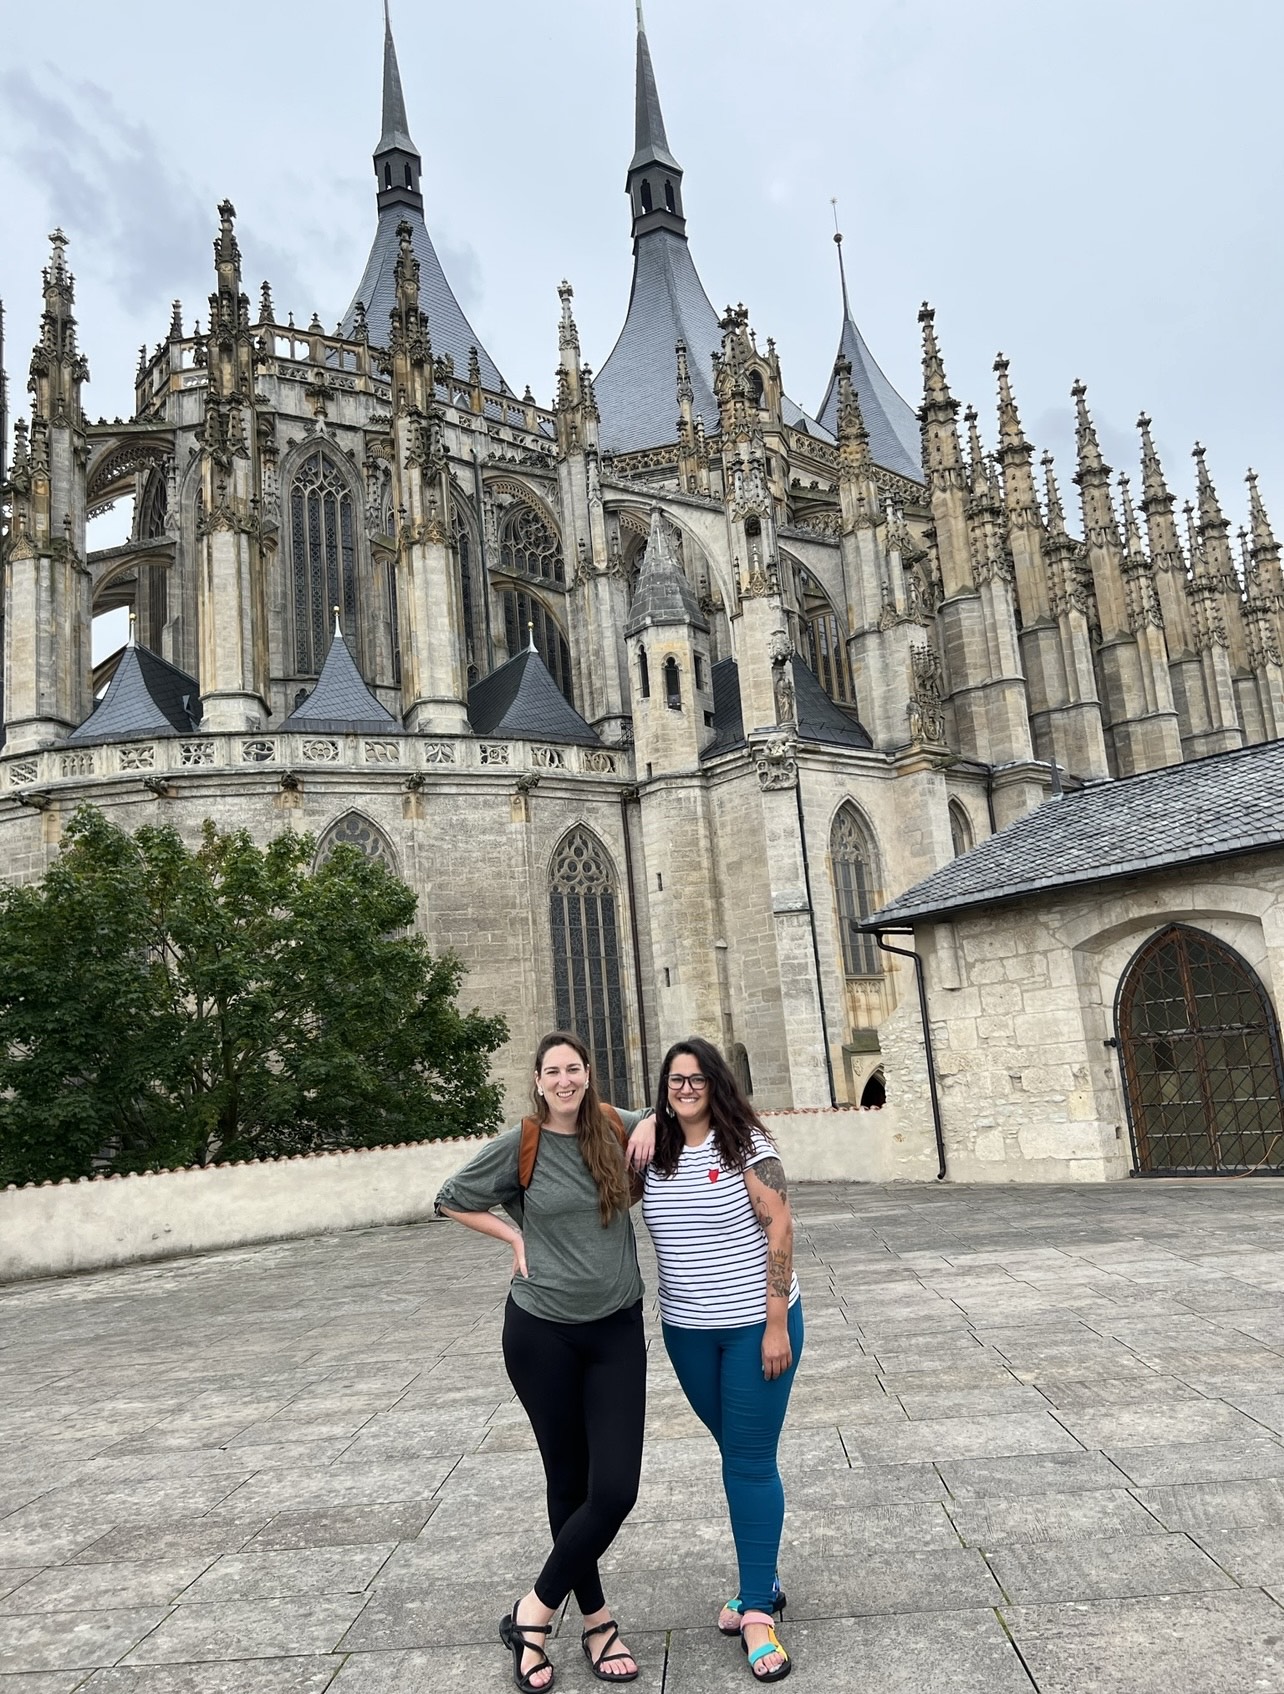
column 771, row 1174
column 779, row 1271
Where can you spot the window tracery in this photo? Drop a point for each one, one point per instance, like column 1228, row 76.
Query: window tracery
column 525, row 615
column 355, row 830
column 851, row 861
column 528, row 547
column 588, row 985
column 323, row 558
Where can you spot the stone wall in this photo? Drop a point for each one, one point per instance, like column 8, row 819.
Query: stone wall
column 59, row 1228
column 1022, row 1002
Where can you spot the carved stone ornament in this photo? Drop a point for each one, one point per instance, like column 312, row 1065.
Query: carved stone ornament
column 925, row 709
column 780, row 649
column 776, row 763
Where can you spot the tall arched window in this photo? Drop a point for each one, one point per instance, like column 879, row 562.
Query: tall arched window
column 528, row 547
column 672, row 685
column 960, row 828
column 472, row 588
column 323, row 558
column 584, row 924
column 644, row 674
column 525, row 614
column 854, row 892
column 1201, row 1058
column 394, row 602
column 822, row 640
column 354, row 829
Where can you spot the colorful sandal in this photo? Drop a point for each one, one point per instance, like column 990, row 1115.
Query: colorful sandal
column 778, row 1603
column 606, row 1657
column 770, row 1645
column 514, row 1636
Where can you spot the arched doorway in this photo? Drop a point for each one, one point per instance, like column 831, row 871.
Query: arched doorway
column 1200, row 1047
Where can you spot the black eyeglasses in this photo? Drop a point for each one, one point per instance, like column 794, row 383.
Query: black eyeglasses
column 696, row 1083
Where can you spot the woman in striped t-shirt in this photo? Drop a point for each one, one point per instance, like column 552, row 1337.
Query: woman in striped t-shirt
column 717, row 1208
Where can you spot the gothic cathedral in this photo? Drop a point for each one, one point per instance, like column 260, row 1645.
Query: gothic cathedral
column 651, row 694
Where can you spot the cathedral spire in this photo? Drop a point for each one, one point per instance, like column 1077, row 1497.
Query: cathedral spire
column 398, row 167
column 396, row 159
column 654, row 182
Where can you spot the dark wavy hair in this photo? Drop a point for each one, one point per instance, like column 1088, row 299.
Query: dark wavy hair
column 732, row 1118
column 599, row 1144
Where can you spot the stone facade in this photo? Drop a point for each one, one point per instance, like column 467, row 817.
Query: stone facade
column 812, row 657
column 1023, row 1005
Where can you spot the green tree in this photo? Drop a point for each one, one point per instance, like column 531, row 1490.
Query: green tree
column 165, row 1005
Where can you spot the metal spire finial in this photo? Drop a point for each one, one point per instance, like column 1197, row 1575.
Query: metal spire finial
column 842, row 269
column 335, row 609
column 530, row 644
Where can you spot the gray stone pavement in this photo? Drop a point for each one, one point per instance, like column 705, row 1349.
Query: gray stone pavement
column 1037, row 1439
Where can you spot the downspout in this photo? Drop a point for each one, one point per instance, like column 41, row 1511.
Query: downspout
column 637, row 944
column 815, row 946
column 908, row 953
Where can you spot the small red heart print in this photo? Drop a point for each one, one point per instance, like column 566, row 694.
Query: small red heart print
column 713, row 1176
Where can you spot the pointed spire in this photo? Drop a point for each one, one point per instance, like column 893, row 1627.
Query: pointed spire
column 1154, row 487
column 1263, row 536
column 1210, row 511
column 977, row 479
column 1090, row 458
column 936, row 390
column 842, row 268
column 1133, row 545
column 568, row 335
column 662, row 594
column 396, row 126
column 1052, row 494
column 651, row 144
column 1011, row 434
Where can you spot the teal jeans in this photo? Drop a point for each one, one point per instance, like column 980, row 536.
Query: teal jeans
column 721, row 1375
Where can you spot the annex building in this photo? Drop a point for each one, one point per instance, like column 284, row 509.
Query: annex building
column 654, row 693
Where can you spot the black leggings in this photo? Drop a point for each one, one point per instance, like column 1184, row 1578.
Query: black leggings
column 584, row 1389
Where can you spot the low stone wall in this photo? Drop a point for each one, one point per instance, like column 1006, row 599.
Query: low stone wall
column 58, row 1228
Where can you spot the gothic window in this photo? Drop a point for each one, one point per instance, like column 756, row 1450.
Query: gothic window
column 852, row 862
column 648, row 203
column 960, row 828
column 153, row 508
column 529, row 547
column 822, row 641
column 1201, row 1058
column 669, row 198
column 474, row 632
column 323, row 557
column 672, row 686
column 355, row 830
column 387, row 176
column 394, row 609
column 588, row 986
column 524, row 616
column 644, row 674
column 409, row 183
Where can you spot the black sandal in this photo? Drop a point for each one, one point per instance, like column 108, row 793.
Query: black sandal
column 605, row 1657
column 513, row 1635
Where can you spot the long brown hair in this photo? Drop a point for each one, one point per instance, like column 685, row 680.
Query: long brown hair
column 731, row 1117
column 599, row 1144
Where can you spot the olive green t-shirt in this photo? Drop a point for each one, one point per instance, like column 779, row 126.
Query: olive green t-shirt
column 578, row 1271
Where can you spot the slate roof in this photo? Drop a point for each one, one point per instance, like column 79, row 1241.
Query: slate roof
column 341, row 704
column 521, row 700
column 1226, row 804
column 147, row 696
column 895, row 439
column 662, row 594
column 637, row 387
column 449, row 329
column 819, row 719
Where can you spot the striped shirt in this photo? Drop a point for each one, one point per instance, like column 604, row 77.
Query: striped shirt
column 709, row 1245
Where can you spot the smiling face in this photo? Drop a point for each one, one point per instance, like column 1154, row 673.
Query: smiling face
column 688, row 1094
column 562, row 1079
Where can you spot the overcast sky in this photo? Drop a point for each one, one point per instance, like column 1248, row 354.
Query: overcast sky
column 1090, row 186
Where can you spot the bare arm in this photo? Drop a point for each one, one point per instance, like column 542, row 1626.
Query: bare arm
column 769, row 1196
column 490, row 1223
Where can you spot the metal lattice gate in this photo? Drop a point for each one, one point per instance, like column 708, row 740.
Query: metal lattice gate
column 1201, row 1059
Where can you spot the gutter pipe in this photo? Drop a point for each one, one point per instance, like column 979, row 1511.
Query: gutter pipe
column 908, row 953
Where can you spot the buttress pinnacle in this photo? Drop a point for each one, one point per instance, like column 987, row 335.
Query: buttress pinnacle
column 1089, row 447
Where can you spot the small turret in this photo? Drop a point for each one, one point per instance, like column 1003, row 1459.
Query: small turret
column 669, row 664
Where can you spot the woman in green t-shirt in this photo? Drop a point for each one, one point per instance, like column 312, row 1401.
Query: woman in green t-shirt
column 573, row 1341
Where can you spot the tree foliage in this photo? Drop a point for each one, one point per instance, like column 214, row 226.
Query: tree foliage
column 162, row 1005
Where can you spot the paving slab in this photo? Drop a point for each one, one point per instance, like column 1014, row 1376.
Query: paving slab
column 1198, row 1644
column 1028, row 1402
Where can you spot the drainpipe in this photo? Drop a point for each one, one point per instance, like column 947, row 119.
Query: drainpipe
column 637, row 944
column 908, row 953
column 815, row 946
